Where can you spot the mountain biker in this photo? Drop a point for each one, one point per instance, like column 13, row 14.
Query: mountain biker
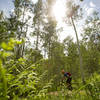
column 67, row 76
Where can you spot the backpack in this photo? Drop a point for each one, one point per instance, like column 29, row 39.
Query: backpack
column 69, row 73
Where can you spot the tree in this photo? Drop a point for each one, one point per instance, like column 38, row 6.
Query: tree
column 73, row 14
column 91, row 43
column 71, row 57
column 92, row 30
column 18, row 24
column 38, row 22
column 49, row 31
column 49, row 36
column 4, row 33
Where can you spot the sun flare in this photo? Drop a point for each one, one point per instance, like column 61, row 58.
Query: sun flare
column 59, row 9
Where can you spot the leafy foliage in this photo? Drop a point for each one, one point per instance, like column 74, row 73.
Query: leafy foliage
column 30, row 67
column 19, row 79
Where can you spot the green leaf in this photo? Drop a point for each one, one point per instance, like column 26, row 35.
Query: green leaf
column 3, row 45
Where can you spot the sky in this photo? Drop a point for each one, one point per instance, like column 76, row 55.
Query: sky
column 7, row 6
column 89, row 6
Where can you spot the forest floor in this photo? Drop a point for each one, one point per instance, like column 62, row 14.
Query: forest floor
column 56, row 93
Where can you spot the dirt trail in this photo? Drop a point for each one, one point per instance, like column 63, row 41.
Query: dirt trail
column 56, row 93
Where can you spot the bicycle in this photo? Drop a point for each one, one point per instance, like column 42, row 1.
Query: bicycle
column 66, row 85
column 65, row 89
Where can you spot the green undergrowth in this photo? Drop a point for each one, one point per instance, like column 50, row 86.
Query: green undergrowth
column 19, row 80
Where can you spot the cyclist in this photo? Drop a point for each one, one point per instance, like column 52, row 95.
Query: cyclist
column 67, row 76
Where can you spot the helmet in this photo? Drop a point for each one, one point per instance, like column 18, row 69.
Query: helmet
column 62, row 71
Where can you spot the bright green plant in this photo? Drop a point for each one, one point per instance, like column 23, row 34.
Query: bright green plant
column 18, row 79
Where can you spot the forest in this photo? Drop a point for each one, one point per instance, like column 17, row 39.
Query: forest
column 33, row 58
